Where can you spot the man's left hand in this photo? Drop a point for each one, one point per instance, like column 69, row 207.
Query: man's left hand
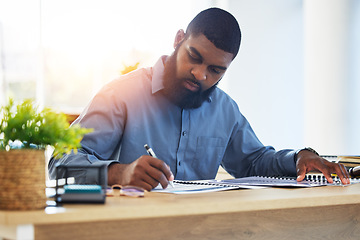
column 308, row 161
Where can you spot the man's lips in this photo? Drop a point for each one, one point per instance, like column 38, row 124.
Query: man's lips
column 192, row 86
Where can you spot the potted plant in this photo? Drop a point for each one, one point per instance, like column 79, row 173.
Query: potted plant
column 25, row 132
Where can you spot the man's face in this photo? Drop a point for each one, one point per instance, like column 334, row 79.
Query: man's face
column 193, row 70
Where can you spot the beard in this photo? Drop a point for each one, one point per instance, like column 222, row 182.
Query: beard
column 175, row 91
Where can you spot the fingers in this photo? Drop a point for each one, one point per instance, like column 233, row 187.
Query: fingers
column 162, row 167
column 147, row 182
column 343, row 174
column 147, row 172
column 159, row 172
column 314, row 162
column 303, row 164
column 339, row 170
column 301, row 171
column 327, row 176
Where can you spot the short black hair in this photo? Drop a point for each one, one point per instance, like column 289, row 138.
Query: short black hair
column 219, row 27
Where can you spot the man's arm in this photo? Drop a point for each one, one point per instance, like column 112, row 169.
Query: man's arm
column 246, row 156
column 146, row 172
column 81, row 158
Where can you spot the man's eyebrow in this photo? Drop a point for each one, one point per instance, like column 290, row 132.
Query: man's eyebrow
column 196, row 52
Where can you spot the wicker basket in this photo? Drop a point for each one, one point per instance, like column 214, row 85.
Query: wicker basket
column 22, row 180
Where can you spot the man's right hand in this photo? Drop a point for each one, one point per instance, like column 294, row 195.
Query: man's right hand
column 145, row 172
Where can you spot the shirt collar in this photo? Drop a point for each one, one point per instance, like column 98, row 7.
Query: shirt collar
column 158, row 74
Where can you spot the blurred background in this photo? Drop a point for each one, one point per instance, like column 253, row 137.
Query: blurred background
column 296, row 78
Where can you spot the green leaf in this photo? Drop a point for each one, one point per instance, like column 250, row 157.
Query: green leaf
column 34, row 128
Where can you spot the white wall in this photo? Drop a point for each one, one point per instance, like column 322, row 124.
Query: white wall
column 292, row 93
column 266, row 78
column 354, row 92
column 328, row 79
column 2, row 80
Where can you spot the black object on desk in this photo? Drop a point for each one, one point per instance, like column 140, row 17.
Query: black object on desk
column 77, row 192
column 355, row 171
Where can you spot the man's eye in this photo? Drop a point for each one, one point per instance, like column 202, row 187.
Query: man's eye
column 193, row 58
column 215, row 70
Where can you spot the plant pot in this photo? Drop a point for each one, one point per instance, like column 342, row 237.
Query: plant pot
column 22, row 179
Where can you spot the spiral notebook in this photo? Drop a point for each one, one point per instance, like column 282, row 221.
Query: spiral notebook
column 200, row 186
column 311, row 180
column 188, row 187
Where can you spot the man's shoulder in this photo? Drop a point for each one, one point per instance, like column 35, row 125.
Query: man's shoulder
column 140, row 74
column 129, row 81
column 221, row 97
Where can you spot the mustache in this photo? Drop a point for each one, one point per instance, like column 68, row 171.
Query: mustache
column 194, row 81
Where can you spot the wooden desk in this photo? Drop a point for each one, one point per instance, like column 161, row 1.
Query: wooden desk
column 272, row 213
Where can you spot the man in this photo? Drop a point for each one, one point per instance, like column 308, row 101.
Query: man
column 177, row 109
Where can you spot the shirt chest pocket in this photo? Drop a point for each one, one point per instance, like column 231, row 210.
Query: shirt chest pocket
column 208, row 155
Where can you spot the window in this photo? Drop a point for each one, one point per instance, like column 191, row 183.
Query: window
column 61, row 52
column 19, row 49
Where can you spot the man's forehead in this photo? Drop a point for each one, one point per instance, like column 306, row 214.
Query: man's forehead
column 200, row 45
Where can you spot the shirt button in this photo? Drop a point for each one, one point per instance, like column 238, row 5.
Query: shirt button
column 184, row 133
column 179, row 163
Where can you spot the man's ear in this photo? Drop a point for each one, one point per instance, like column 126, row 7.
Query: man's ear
column 180, row 35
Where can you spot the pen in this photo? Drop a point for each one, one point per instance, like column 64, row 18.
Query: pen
column 152, row 153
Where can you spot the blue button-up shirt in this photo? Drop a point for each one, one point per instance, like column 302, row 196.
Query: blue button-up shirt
column 131, row 111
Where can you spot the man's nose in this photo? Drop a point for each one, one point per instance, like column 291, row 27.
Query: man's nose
column 199, row 72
